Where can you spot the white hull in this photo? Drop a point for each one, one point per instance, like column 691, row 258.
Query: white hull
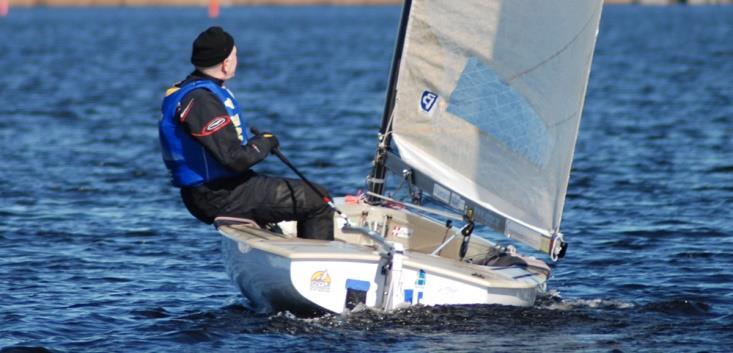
column 277, row 272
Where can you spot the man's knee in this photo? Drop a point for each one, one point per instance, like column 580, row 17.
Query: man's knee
column 316, row 200
column 322, row 191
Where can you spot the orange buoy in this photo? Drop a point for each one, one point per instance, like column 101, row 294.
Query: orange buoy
column 213, row 8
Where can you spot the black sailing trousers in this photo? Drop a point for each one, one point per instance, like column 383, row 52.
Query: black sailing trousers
column 263, row 199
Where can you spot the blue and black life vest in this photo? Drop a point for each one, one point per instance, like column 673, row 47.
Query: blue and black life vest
column 188, row 162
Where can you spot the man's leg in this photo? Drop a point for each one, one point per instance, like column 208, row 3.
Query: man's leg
column 317, row 222
column 271, row 199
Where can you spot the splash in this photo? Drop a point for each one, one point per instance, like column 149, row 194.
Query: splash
column 553, row 301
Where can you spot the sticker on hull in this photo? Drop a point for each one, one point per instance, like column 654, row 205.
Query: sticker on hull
column 321, row 281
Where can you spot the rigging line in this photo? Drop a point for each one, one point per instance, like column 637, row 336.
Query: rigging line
column 421, row 208
column 556, row 54
column 404, row 180
column 389, row 125
column 399, row 187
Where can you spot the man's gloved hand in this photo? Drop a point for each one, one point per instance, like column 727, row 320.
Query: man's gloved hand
column 264, row 140
column 270, row 139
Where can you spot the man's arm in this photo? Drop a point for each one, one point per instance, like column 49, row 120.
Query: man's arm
column 206, row 119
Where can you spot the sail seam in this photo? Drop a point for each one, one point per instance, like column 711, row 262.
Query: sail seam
column 562, row 121
column 556, row 54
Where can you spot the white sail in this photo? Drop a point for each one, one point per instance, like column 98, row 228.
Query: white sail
column 488, row 103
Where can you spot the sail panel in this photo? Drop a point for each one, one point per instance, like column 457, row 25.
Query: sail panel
column 480, row 93
column 489, row 98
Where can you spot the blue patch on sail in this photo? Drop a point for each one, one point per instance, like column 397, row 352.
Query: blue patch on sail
column 484, row 100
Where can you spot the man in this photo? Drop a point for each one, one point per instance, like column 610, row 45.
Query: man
column 206, row 149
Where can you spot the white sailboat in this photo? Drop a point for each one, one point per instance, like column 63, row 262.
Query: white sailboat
column 482, row 115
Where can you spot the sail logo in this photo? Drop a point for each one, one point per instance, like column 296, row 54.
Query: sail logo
column 321, row 281
column 428, row 100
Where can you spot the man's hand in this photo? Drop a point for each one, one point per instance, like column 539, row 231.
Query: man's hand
column 267, row 138
column 270, row 138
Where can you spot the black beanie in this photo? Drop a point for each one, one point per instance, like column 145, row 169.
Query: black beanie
column 211, row 47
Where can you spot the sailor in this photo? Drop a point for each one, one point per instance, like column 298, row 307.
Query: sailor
column 209, row 155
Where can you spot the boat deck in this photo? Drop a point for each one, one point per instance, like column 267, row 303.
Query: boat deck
column 420, row 238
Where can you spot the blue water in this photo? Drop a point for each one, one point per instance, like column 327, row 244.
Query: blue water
column 97, row 253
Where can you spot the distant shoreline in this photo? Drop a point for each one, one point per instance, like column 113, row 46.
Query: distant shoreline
column 224, row 3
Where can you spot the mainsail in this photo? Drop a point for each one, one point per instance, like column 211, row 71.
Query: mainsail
column 487, row 105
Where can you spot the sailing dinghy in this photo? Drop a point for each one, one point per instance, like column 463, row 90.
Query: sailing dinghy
column 482, row 115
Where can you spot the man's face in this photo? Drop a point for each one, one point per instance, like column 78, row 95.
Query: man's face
column 230, row 64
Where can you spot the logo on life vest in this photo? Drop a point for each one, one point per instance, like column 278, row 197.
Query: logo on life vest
column 321, row 281
column 238, row 125
column 228, row 103
column 428, row 100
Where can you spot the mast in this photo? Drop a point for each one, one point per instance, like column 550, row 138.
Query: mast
column 375, row 180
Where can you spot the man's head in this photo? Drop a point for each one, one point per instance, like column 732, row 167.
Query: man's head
column 215, row 54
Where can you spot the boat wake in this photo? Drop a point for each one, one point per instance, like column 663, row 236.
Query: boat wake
column 555, row 320
column 553, row 301
column 550, row 310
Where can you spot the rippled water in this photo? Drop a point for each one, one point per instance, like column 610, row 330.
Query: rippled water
column 98, row 255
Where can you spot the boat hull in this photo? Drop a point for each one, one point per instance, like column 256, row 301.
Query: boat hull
column 264, row 279
column 311, row 277
column 273, row 282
